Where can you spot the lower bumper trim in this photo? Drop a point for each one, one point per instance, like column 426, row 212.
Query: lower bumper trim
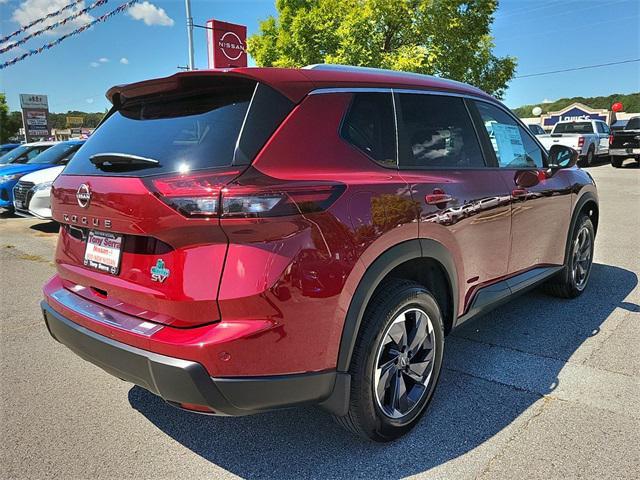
column 181, row 381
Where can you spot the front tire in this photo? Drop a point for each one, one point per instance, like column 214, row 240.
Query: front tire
column 396, row 361
column 573, row 279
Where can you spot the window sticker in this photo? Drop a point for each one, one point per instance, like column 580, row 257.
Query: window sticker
column 508, row 141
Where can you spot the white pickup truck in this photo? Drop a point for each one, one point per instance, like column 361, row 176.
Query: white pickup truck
column 589, row 137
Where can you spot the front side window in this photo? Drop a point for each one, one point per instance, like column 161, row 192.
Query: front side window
column 436, row 131
column 370, row 126
column 513, row 146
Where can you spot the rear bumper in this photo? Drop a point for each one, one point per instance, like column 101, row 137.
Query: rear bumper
column 181, row 381
column 624, row 152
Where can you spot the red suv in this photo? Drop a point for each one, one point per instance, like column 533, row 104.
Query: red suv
column 242, row 240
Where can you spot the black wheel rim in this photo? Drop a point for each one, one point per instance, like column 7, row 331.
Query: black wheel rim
column 581, row 260
column 404, row 363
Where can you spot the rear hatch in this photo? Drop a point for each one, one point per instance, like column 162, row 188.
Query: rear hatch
column 139, row 202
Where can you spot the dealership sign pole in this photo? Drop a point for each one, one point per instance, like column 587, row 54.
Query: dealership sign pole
column 35, row 116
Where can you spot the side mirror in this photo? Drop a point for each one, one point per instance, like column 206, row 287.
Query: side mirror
column 561, row 156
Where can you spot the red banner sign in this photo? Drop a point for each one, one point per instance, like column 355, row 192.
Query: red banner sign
column 227, row 44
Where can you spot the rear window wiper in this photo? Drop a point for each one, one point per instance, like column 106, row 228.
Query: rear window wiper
column 119, row 161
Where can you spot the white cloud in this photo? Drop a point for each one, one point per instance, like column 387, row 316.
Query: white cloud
column 94, row 64
column 124, row 61
column 103, row 59
column 150, row 14
column 546, row 100
column 30, row 10
column 89, row 100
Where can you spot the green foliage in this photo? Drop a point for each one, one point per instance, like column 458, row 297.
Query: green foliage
column 448, row 38
column 59, row 120
column 630, row 101
column 9, row 123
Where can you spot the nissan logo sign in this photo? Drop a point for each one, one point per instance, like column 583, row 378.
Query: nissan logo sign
column 83, row 195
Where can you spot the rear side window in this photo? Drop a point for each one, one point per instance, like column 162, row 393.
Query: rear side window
column 633, row 124
column 436, row 131
column 574, row 127
column 370, row 126
column 183, row 132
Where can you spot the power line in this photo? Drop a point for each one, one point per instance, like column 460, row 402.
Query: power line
column 578, row 68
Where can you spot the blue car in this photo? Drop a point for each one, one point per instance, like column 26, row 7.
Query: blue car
column 58, row 154
column 25, row 152
column 7, row 147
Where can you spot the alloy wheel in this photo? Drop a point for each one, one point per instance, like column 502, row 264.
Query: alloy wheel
column 581, row 262
column 404, row 363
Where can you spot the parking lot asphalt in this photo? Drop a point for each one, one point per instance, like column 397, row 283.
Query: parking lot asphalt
column 539, row 388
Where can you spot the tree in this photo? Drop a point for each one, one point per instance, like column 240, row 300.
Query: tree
column 448, row 38
column 9, row 123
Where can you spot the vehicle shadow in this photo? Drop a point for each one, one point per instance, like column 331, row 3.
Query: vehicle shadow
column 46, row 227
column 466, row 410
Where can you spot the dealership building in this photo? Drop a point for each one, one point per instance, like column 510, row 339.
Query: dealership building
column 578, row 111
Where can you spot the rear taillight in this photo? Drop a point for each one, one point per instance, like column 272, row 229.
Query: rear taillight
column 610, row 140
column 193, row 195
column 207, row 195
column 580, row 142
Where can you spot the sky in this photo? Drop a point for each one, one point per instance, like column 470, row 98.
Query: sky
column 150, row 40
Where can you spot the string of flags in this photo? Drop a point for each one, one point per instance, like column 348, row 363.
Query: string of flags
column 38, row 20
column 81, row 29
column 52, row 26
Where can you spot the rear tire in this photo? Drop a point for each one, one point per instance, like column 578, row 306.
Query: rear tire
column 616, row 161
column 587, row 160
column 573, row 279
column 396, row 362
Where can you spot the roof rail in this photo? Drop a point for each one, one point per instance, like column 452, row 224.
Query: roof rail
column 336, row 67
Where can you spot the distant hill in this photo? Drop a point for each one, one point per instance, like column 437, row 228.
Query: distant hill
column 630, row 101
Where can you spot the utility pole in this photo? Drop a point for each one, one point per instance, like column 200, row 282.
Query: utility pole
column 187, row 4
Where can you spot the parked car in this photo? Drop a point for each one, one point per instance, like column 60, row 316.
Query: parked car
column 32, row 193
column 23, row 153
column 536, row 129
column 589, row 137
column 625, row 143
column 250, row 239
column 7, row 147
column 58, row 154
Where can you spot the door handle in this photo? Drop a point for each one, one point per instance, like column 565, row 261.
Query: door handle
column 438, row 197
column 519, row 193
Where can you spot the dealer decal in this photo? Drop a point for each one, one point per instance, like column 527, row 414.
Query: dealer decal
column 159, row 273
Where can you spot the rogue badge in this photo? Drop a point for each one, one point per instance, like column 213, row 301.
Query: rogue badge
column 159, row 272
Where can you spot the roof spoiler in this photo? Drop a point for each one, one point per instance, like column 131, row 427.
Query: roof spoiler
column 289, row 82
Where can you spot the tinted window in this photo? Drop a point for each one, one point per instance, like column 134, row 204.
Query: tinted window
column 436, row 131
column 605, row 128
column 370, row 126
column 536, row 129
column 633, row 124
column 56, row 154
column 599, row 127
column 573, row 127
column 27, row 152
column 191, row 131
column 512, row 144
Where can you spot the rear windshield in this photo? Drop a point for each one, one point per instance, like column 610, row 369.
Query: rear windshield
column 633, row 124
column 58, row 154
column 186, row 132
column 574, row 127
